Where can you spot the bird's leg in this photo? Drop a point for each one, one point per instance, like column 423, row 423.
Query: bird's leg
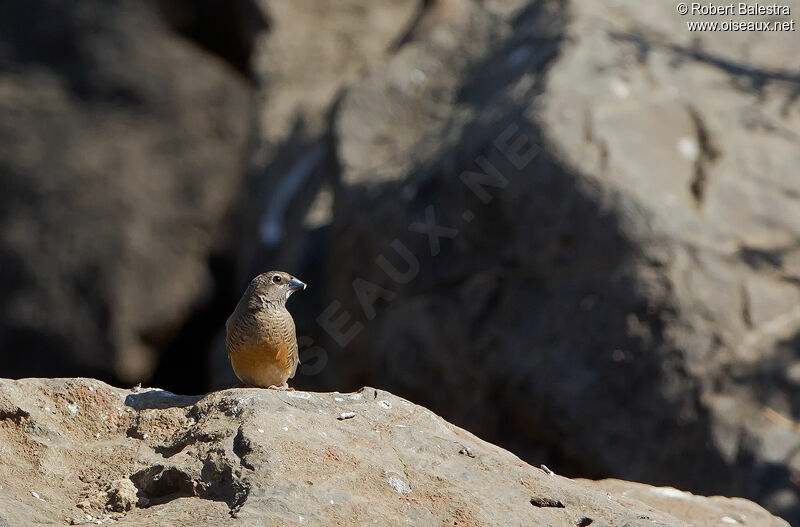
column 284, row 388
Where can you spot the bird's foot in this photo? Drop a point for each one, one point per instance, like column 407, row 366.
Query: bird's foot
column 284, row 388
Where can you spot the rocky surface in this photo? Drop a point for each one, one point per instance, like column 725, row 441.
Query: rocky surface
column 620, row 300
column 629, row 272
column 121, row 154
column 80, row 451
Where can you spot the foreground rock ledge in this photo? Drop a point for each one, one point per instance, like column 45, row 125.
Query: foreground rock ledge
column 80, row 451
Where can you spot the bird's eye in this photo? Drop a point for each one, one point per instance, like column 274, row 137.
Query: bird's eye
column 276, row 279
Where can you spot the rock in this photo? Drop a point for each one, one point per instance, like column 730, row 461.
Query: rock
column 566, row 241
column 121, row 495
column 120, row 157
column 274, row 458
column 695, row 136
column 569, row 227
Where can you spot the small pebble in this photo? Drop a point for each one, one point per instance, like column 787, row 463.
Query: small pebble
column 346, row 415
column 298, row 395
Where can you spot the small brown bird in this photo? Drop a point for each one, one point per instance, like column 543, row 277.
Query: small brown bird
column 260, row 335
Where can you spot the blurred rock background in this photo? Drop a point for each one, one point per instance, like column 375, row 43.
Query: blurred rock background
column 621, row 299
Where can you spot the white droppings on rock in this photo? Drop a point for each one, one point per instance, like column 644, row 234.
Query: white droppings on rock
column 145, row 436
column 298, row 395
column 356, row 396
column 729, row 520
column 385, row 404
column 91, row 388
column 406, row 403
column 300, row 519
column 417, row 76
column 401, row 426
column 73, row 408
column 332, row 503
column 97, row 435
column 398, row 483
column 46, row 408
column 285, row 428
column 338, row 399
column 346, row 415
column 35, row 495
column 688, row 148
column 620, row 88
column 669, row 492
column 260, row 430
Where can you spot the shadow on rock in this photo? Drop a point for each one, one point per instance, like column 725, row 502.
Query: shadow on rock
column 160, row 400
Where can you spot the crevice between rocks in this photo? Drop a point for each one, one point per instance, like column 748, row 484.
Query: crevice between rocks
column 225, row 29
column 215, row 480
column 242, row 448
column 17, row 415
column 543, row 501
column 707, row 155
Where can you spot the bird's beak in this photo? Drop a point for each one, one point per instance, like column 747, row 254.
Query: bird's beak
column 295, row 284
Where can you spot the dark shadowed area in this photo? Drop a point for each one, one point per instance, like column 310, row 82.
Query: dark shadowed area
column 572, row 228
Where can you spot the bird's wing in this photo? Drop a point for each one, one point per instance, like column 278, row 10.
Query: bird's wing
column 295, row 359
column 235, row 335
column 288, row 357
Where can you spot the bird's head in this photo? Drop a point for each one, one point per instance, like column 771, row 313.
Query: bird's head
column 274, row 287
